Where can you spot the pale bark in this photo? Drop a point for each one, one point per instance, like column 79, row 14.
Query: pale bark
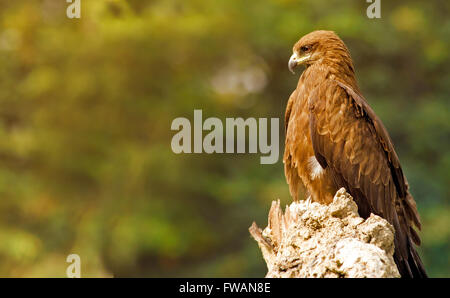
column 314, row 240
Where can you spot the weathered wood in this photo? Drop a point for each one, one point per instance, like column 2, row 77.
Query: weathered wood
column 314, row 240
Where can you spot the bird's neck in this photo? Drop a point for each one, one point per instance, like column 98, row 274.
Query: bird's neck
column 336, row 69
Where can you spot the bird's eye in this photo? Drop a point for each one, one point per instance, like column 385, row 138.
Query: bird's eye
column 305, row 49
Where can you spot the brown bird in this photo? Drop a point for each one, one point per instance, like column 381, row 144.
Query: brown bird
column 334, row 139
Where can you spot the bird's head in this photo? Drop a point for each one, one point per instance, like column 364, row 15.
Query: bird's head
column 316, row 47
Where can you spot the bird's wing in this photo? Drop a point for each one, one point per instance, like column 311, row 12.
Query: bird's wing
column 290, row 169
column 287, row 114
column 350, row 140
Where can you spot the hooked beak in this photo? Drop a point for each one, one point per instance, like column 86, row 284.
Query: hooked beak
column 295, row 60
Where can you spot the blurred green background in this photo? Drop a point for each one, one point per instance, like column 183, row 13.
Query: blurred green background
column 86, row 106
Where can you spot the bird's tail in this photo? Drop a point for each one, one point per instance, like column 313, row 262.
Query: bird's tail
column 406, row 257
column 412, row 266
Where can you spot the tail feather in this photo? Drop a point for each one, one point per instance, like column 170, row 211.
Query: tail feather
column 412, row 267
column 406, row 257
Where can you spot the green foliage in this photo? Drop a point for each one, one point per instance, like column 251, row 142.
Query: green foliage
column 86, row 107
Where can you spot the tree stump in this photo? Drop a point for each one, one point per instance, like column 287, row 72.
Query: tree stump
column 314, row 240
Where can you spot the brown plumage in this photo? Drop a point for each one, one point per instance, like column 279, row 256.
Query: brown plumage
column 334, row 139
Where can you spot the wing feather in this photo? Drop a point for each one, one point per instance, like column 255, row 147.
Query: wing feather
column 349, row 138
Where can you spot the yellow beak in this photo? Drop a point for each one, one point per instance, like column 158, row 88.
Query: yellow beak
column 295, row 60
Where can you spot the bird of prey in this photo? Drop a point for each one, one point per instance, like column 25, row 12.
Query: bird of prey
column 334, row 139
